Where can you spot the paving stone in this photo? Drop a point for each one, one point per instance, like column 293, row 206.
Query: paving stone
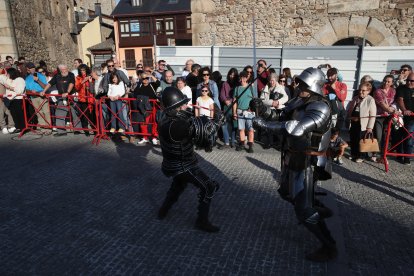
column 70, row 207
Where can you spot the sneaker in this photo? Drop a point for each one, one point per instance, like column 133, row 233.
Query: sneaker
column 359, row 160
column 155, row 141
column 5, row 131
column 143, row 141
column 112, row 130
column 121, row 130
column 54, row 129
column 373, row 159
column 12, row 130
column 335, row 159
column 339, row 161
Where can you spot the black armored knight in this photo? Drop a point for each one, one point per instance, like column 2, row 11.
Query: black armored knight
column 305, row 124
column 178, row 131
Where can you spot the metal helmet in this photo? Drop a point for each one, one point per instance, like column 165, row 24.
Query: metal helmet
column 172, row 98
column 312, row 79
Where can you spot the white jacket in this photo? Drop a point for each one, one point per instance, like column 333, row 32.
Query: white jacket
column 279, row 89
column 116, row 90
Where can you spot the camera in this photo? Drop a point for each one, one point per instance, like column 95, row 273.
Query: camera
column 395, row 72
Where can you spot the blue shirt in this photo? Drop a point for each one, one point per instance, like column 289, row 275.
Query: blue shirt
column 34, row 86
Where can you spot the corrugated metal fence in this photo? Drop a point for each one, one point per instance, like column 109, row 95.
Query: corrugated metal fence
column 375, row 61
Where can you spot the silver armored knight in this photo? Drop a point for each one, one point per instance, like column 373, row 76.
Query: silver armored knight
column 305, row 125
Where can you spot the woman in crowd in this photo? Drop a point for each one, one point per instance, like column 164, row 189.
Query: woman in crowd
column 141, row 107
column 180, row 81
column 226, row 98
column 274, row 96
column 361, row 111
column 15, row 86
column 116, row 91
column 86, row 99
column 205, row 103
column 205, row 74
column 249, row 70
column 386, row 105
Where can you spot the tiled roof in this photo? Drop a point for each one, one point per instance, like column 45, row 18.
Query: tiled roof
column 125, row 7
column 104, row 45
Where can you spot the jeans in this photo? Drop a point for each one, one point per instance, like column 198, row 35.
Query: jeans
column 116, row 109
column 229, row 130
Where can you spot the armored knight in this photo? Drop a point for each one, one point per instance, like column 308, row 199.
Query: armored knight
column 305, row 124
column 178, row 131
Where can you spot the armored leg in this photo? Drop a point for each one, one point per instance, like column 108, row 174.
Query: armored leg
column 207, row 187
column 177, row 187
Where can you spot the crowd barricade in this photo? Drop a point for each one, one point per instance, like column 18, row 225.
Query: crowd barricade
column 70, row 119
column 405, row 134
column 131, row 126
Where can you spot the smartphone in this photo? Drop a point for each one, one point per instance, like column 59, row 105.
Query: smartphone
column 395, row 72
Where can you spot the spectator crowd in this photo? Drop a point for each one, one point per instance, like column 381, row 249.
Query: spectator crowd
column 368, row 113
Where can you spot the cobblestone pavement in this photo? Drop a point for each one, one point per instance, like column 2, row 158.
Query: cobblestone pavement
column 69, row 207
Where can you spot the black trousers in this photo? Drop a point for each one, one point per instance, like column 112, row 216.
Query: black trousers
column 207, row 187
column 87, row 117
column 16, row 110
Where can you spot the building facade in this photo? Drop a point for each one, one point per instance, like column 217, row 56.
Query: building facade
column 141, row 24
column 303, row 22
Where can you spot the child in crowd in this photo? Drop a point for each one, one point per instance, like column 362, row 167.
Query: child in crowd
column 205, row 103
column 116, row 90
column 337, row 146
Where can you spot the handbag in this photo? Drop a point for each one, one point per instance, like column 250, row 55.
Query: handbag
column 368, row 143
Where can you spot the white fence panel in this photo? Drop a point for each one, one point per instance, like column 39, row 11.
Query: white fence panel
column 379, row 61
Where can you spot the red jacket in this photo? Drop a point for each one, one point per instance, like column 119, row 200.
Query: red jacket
column 341, row 90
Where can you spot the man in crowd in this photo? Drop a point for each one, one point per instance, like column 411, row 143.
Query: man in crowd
column 187, row 68
column 405, row 100
column 193, row 80
column 404, row 72
column 111, row 69
column 76, row 63
column 35, row 83
column 162, row 68
column 65, row 82
column 168, row 81
column 305, row 125
column 336, row 92
column 178, row 130
column 262, row 76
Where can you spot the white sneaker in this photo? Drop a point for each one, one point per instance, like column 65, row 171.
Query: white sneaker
column 143, row 141
column 5, row 131
column 339, row 161
column 12, row 129
column 155, row 141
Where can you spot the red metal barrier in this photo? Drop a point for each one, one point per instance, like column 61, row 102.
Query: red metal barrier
column 71, row 105
column 128, row 126
column 390, row 152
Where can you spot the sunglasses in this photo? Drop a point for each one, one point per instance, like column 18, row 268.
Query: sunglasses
column 204, row 90
column 249, row 72
column 405, row 69
column 147, row 78
column 140, row 67
column 206, row 74
column 410, row 80
column 162, row 64
column 111, row 65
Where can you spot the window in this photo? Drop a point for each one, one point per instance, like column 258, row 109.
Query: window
column 169, row 26
column 134, row 27
column 136, row 3
column 130, row 59
column 159, row 24
column 188, row 24
column 147, row 57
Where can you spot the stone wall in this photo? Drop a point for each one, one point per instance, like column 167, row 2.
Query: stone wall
column 302, row 22
column 43, row 30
